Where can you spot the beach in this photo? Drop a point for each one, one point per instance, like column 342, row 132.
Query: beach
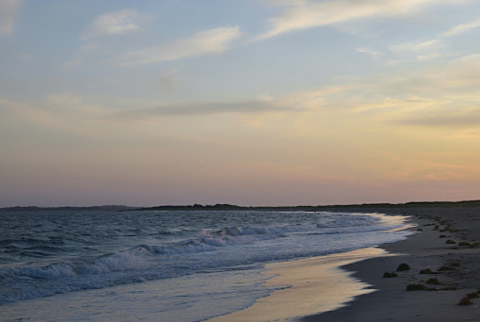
column 454, row 273
column 422, row 251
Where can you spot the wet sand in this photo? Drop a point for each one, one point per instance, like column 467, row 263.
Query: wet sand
column 315, row 285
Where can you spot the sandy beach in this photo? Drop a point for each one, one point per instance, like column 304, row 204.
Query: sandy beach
column 428, row 249
column 444, row 243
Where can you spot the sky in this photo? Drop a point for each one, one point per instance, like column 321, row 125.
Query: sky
column 252, row 102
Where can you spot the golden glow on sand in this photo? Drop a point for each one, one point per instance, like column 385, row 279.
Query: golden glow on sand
column 317, row 285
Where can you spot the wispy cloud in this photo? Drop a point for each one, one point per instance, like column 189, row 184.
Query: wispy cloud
column 420, row 58
column 8, row 9
column 417, row 46
column 462, row 28
column 196, row 109
column 305, row 14
column 372, row 53
column 442, row 95
column 213, row 41
column 412, row 96
column 458, row 77
column 121, row 22
column 472, row 118
column 432, row 45
column 428, row 57
column 298, row 102
column 474, row 57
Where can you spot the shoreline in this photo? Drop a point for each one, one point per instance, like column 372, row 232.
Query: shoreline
column 426, row 249
column 315, row 284
column 311, row 286
column 387, row 299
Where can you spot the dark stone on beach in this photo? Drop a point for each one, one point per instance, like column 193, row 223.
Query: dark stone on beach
column 433, row 281
column 454, row 264
column 427, row 271
column 445, row 268
column 473, row 295
column 451, row 242
column 389, row 275
column 464, row 244
column 403, row 267
column 442, row 236
column 419, row 229
column 437, row 227
column 465, row 301
column 416, row 287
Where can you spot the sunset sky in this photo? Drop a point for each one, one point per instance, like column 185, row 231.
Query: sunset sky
column 251, row 102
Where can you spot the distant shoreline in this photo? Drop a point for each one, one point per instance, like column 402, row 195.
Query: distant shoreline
column 375, row 207
column 65, row 208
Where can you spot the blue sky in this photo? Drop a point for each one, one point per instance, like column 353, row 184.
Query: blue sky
column 255, row 102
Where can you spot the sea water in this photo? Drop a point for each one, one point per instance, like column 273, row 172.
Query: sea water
column 181, row 265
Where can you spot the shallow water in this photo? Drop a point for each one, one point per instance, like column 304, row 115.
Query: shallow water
column 202, row 263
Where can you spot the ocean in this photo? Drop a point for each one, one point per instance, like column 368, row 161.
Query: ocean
column 179, row 266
